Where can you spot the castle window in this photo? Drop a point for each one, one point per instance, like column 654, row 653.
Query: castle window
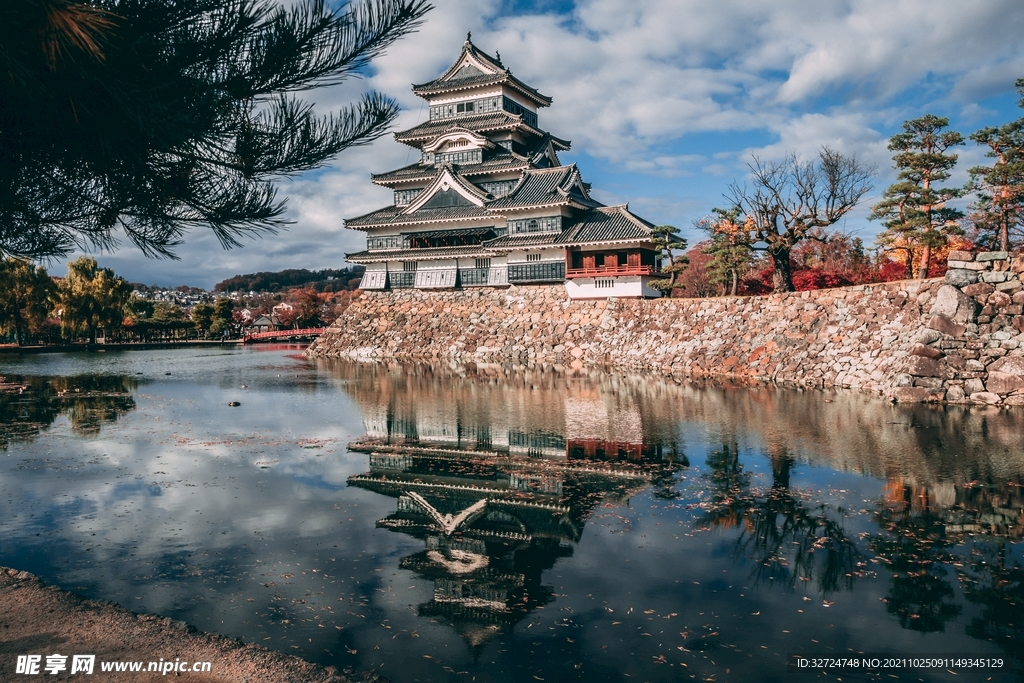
column 532, row 257
column 483, row 263
column 409, row 266
column 546, row 224
column 464, row 107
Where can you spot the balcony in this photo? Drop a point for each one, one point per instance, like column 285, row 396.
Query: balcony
column 610, row 271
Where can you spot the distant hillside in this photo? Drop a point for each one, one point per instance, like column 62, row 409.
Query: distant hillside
column 286, row 279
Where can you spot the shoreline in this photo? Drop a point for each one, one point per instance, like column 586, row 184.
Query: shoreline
column 36, row 618
column 140, row 346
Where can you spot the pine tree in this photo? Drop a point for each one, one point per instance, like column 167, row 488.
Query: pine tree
column 730, row 248
column 666, row 241
column 998, row 209
column 143, row 119
column 913, row 209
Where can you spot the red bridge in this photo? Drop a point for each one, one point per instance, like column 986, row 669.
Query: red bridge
column 282, row 334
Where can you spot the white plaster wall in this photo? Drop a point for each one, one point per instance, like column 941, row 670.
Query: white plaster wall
column 625, row 286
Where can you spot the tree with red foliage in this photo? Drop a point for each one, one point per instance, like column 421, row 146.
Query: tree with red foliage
column 793, row 198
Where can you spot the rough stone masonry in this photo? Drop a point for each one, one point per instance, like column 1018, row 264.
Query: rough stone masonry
column 957, row 340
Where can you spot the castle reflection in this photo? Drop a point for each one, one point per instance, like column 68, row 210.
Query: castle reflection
column 500, row 489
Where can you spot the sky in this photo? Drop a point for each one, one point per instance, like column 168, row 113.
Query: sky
column 665, row 102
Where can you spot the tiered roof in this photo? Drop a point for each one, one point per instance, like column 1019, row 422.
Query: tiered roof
column 547, row 187
column 473, row 69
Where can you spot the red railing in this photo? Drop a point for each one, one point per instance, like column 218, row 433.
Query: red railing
column 609, row 271
column 277, row 334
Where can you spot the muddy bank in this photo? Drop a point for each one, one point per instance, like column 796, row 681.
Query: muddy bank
column 45, row 620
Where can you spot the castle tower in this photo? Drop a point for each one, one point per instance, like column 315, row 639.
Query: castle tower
column 489, row 204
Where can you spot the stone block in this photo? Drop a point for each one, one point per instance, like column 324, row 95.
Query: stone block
column 957, row 255
column 946, row 325
column 927, row 336
column 998, row 300
column 926, row 351
column 1003, row 382
column 992, row 256
column 974, row 385
column 1010, row 286
column 986, row 397
column 920, row 366
column 917, row 395
column 1014, row 401
column 952, row 302
column 1013, row 365
column 933, row 383
column 955, row 394
column 979, row 290
column 969, row 265
column 1017, row 264
column 993, row 277
column 961, row 277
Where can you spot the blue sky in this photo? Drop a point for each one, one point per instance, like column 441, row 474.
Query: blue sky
column 665, row 102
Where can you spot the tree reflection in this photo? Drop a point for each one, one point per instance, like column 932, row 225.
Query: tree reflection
column 31, row 404
column 995, row 580
column 788, row 538
column 913, row 547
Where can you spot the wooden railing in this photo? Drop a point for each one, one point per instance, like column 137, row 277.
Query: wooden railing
column 610, row 271
column 277, row 334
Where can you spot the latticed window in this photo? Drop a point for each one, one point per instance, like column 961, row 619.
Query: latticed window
column 483, row 263
column 537, row 272
column 386, row 242
column 404, row 197
column 499, row 188
column 512, row 107
column 479, row 106
column 527, row 225
column 409, row 266
column 532, row 257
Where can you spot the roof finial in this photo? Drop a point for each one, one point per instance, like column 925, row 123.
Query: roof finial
column 497, row 56
column 469, row 36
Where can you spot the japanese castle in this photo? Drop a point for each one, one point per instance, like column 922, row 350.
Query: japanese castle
column 489, row 204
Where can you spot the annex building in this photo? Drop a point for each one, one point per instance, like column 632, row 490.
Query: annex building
column 489, row 204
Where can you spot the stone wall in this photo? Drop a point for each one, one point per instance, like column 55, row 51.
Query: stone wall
column 927, row 340
column 969, row 349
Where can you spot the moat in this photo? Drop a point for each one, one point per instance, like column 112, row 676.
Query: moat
column 494, row 523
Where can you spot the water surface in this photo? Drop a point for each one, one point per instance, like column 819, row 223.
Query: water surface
column 501, row 524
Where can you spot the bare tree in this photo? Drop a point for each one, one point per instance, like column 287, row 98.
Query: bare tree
column 792, row 199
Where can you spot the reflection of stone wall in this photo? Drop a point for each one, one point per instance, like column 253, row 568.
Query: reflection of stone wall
column 848, row 337
column 912, row 340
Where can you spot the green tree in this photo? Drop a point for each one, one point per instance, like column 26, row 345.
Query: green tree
column 26, row 297
column 91, row 298
column 146, row 118
column 139, row 308
column 202, row 316
column 913, row 209
column 998, row 209
column 730, row 248
column 791, row 200
column 666, row 241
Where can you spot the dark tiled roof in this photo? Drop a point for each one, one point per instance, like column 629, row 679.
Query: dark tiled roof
column 606, row 224
column 417, row 254
column 523, row 241
column 438, row 85
column 450, row 79
column 545, row 186
column 495, row 120
column 502, row 162
column 391, row 215
column 450, row 232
